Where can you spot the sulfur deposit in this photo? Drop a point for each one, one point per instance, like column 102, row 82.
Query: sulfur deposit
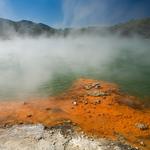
column 97, row 108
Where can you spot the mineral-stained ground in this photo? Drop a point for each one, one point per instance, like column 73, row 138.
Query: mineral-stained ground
column 91, row 115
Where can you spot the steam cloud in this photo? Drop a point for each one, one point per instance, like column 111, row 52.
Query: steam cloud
column 28, row 63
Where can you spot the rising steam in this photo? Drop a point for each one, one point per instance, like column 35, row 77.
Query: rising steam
column 28, row 63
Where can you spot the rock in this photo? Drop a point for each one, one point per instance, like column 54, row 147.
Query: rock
column 36, row 137
column 85, row 102
column 141, row 126
column 97, row 101
column 74, row 124
column 29, row 115
column 97, row 93
column 87, row 87
column 95, row 85
column 67, row 121
column 117, row 148
column 142, row 143
column 74, row 103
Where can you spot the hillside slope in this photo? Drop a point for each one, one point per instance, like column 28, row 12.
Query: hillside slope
column 10, row 28
column 133, row 27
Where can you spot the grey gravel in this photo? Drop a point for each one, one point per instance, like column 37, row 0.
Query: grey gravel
column 36, row 137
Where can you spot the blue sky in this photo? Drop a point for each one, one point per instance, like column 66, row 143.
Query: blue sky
column 60, row 13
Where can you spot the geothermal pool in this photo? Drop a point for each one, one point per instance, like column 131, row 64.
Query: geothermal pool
column 128, row 72
column 29, row 68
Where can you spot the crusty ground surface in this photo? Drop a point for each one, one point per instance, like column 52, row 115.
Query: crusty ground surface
column 110, row 114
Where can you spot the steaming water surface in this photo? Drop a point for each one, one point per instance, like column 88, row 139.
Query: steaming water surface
column 48, row 66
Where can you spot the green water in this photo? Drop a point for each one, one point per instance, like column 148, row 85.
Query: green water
column 128, row 70
column 49, row 72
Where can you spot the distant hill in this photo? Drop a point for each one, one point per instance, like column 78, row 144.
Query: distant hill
column 10, row 28
column 139, row 27
column 24, row 27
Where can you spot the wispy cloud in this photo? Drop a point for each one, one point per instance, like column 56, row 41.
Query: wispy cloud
column 78, row 13
column 103, row 12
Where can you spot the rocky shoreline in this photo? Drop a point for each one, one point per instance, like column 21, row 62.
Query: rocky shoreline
column 61, row 137
column 91, row 115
